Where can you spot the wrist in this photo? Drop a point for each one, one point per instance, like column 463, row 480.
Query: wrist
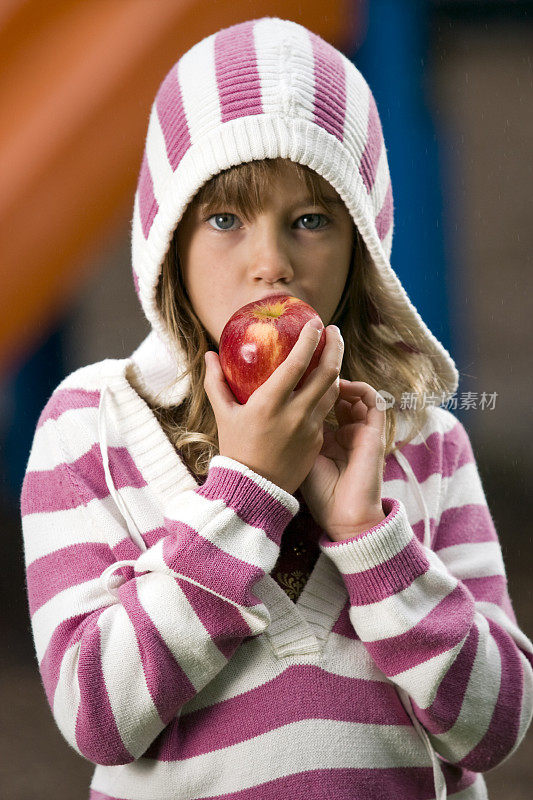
column 358, row 528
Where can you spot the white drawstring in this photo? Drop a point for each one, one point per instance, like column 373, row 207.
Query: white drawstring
column 438, row 777
column 107, row 574
column 404, row 463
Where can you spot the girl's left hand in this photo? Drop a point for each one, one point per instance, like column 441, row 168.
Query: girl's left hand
column 343, row 488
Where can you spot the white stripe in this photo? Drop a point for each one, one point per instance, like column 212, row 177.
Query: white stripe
column 357, row 105
column 479, row 700
column 81, row 599
column 386, row 242
column 180, row 628
column 402, row 489
column 46, row 452
column 156, row 153
column 197, row 68
column 401, row 612
column 381, row 183
column 346, row 657
column 462, row 488
column 423, row 680
column 282, row 87
column 497, row 614
column 138, row 243
column 67, row 696
column 297, row 747
column 44, row 533
column 222, row 527
column 125, row 681
column 473, row 559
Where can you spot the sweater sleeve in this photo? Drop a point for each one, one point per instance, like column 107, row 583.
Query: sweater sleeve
column 119, row 661
column 439, row 623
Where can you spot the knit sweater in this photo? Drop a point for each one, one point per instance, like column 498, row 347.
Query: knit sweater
column 174, row 661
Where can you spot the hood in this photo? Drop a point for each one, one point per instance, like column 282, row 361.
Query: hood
column 264, row 88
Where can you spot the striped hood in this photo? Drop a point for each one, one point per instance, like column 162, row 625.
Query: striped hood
column 301, row 99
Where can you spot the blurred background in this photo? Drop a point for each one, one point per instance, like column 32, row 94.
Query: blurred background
column 453, row 83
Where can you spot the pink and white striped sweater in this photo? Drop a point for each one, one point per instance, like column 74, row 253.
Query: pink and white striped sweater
column 174, row 661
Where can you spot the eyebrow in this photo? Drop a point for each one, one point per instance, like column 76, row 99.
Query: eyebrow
column 328, row 202
column 310, row 201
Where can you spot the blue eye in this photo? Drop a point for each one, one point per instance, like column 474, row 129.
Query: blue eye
column 312, row 222
column 222, row 222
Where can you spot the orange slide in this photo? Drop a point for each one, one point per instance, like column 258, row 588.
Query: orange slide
column 76, row 86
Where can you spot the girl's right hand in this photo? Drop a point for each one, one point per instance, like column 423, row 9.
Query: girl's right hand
column 278, row 432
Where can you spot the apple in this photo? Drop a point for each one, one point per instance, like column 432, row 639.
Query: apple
column 258, row 337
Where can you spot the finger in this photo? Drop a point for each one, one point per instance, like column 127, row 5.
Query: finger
column 347, row 412
column 359, row 390
column 321, row 379
column 282, row 382
column 327, row 401
column 215, row 385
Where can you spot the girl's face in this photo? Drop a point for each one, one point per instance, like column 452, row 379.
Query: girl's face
column 293, row 246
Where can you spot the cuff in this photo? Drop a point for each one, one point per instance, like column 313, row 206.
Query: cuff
column 381, row 561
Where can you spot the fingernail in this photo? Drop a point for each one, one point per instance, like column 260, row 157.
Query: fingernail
column 316, row 323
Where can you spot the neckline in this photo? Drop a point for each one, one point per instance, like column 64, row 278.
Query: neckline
column 296, row 628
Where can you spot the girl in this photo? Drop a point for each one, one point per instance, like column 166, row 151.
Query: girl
column 302, row 596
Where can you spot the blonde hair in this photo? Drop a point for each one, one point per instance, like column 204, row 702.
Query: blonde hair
column 374, row 347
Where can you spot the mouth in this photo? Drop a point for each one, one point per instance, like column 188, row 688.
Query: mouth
column 270, row 295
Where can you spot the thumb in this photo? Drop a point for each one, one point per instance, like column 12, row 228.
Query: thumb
column 215, row 384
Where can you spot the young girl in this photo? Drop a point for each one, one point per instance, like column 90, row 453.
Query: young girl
column 302, row 596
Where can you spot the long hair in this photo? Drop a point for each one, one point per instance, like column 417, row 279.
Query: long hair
column 374, row 346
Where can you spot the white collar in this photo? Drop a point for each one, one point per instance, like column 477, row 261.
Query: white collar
column 156, row 373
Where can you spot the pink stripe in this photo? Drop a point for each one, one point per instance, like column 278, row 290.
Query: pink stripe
column 65, row 635
column 126, row 549
column 502, row 733
column 168, row 685
column 438, row 454
column 97, row 735
column 148, row 206
column 389, row 577
column 300, row 692
column 491, row 589
column 465, row 525
column 330, row 87
column 222, row 621
column 368, row 166
column 171, row 115
column 66, row 399
column 152, row 537
column 343, row 625
column 63, row 569
column 445, row 709
column 443, row 628
column 385, row 216
column 191, row 554
column 239, row 86
column 254, row 505
column 69, row 486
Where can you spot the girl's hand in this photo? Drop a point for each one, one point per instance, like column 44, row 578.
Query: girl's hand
column 278, row 432
column 343, row 488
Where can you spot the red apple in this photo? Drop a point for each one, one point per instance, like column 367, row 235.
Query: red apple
column 258, row 338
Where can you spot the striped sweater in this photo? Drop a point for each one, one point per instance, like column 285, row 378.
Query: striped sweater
column 174, row 661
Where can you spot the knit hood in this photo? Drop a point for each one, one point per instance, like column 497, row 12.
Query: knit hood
column 302, row 100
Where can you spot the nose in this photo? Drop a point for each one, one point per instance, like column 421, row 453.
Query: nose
column 270, row 258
